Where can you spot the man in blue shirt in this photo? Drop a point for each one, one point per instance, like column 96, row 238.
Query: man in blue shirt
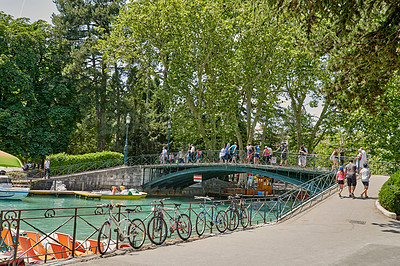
column 234, row 152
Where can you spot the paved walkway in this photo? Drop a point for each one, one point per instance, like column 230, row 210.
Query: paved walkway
column 334, row 232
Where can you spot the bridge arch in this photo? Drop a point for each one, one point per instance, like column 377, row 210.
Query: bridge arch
column 182, row 178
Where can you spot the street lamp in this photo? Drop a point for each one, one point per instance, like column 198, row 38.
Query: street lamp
column 169, row 131
column 128, row 120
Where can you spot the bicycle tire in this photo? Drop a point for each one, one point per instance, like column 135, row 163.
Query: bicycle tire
column 244, row 217
column 184, row 227
column 221, row 221
column 233, row 219
column 201, row 223
column 157, row 230
column 136, row 233
column 104, row 237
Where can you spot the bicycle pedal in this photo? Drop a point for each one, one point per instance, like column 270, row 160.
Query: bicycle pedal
column 115, row 230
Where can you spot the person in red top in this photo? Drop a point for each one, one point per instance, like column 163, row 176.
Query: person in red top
column 340, row 180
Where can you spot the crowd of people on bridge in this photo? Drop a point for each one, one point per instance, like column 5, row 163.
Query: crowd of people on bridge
column 255, row 154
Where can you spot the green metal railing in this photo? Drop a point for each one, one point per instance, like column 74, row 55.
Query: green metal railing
column 314, row 161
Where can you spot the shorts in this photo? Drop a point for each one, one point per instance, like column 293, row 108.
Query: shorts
column 351, row 181
column 257, row 155
column 283, row 156
column 340, row 182
column 365, row 183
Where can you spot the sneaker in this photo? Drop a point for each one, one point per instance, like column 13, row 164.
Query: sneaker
column 352, row 195
column 340, row 195
column 361, row 195
column 366, row 197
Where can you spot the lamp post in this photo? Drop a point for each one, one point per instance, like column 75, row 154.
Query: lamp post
column 169, row 131
column 128, row 120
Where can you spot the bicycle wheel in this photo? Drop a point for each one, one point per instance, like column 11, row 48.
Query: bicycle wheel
column 136, row 233
column 200, row 223
column 233, row 219
column 103, row 240
column 244, row 217
column 184, row 227
column 222, row 221
column 157, row 230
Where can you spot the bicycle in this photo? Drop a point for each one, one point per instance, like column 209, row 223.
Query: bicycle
column 237, row 213
column 217, row 217
column 157, row 227
column 133, row 230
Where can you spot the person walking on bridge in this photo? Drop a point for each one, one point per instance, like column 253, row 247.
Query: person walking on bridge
column 365, row 177
column 340, row 180
column 284, row 150
column 351, row 174
column 234, row 152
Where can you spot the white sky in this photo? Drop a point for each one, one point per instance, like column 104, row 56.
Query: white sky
column 33, row 9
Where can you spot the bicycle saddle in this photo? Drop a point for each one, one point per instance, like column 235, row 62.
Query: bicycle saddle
column 178, row 204
column 133, row 210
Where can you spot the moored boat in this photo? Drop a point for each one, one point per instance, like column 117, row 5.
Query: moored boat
column 9, row 192
column 125, row 194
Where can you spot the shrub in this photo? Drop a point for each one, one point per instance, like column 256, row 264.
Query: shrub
column 62, row 159
column 389, row 196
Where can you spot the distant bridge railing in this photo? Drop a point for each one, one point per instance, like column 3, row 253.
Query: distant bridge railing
column 313, row 161
column 27, row 236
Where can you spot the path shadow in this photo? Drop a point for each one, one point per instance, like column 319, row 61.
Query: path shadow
column 389, row 227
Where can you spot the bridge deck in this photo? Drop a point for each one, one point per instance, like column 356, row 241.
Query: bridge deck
column 181, row 175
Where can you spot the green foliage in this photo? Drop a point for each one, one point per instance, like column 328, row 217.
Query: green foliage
column 389, row 195
column 62, row 159
column 37, row 103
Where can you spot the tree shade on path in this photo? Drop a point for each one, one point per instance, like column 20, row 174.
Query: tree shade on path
column 9, row 160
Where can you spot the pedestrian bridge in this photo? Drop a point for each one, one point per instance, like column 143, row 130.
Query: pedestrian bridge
column 178, row 176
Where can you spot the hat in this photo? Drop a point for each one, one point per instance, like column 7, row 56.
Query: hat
column 303, row 145
column 341, row 167
column 365, row 165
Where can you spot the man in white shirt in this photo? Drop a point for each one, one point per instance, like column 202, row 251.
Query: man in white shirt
column 365, row 176
column 47, row 169
column 363, row 159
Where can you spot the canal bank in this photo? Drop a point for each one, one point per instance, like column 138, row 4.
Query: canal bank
column 334, row 232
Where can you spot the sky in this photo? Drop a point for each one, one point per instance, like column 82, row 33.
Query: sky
column 33, row 9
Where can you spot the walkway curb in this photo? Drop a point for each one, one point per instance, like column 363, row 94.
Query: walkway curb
column 385, row 212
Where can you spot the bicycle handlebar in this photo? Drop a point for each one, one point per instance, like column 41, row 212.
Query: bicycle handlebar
column 204, row 198
column 110, row 205
column 160, row 200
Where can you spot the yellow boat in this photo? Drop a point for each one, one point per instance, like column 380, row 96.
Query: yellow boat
column 128, row 195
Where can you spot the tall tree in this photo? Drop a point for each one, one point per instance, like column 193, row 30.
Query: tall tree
column 80, row 25
column 37, row 103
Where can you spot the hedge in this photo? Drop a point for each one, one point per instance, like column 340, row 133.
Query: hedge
column 62, row 159
column 389, row 196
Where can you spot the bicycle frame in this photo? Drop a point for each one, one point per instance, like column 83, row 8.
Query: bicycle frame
column 214, row 210
column 118, row 223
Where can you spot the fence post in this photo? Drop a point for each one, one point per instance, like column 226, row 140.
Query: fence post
column 74, row 233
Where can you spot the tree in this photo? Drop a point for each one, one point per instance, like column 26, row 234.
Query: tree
column 79, row 26
column 362, row 40
column 37, row 103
